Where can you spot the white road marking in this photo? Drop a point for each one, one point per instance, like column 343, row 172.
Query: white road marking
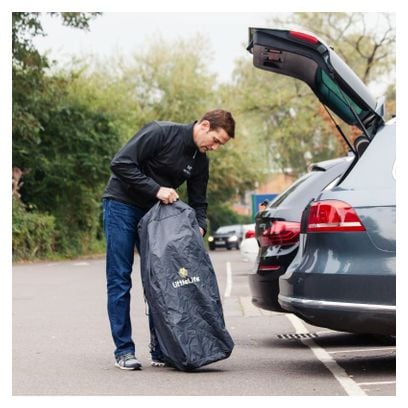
column 377, row 383
column 362, row 350
column 350, row 386
column 81, row 264
column 228, row 287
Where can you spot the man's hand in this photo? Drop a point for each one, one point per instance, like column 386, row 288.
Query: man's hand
column 167, row 195
column 202, row 232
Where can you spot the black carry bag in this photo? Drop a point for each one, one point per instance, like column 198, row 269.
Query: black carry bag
column 181, row 288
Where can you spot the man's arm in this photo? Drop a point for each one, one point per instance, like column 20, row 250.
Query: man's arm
column 197, row 197
column 127, row 163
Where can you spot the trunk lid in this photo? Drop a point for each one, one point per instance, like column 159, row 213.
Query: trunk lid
column 306, row 57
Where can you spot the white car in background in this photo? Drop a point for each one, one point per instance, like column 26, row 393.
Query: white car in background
column 249, row 246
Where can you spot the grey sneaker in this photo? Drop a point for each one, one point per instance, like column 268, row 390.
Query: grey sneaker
column 128, row 362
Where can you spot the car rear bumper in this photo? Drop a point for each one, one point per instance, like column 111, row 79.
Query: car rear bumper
column 224, row 244
column 344, row 316
column 342, row 281
column 265, row 289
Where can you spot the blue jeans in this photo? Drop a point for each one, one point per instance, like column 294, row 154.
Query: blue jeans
column 120, row 224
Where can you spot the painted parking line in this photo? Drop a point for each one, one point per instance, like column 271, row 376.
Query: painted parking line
column 350, row 386
column 377, row 383
column 228, row 287
column 362, row 350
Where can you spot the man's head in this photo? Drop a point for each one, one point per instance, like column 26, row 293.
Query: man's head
column 213, row 130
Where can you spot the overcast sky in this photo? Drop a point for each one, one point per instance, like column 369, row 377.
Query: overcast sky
column 126, row 32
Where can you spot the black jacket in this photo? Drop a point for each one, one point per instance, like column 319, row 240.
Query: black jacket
column 161, row 154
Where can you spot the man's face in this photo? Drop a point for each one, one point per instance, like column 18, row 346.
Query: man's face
column 209, row 140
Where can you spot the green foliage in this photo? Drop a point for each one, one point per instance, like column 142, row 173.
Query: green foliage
column 222, row 214
column 33, row 233
column 67, row 164
column 234, row 169
column 171, row 81
column 107, row 94
column 281, row 116
column 62, row 140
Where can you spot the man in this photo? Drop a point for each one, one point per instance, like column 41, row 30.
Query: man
column 157, row 160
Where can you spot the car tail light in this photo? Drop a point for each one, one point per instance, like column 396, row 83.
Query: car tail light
column 280, row 233
column 250, row 234
column 333, row 216
column 304, row 37
column 266, row 268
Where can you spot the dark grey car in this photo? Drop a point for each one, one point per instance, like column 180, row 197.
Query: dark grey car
column 226, row 236
column 343, row 276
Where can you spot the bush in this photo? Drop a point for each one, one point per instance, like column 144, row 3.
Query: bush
column 33, row 233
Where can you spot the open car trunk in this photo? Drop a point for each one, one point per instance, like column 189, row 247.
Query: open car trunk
column 306, row 57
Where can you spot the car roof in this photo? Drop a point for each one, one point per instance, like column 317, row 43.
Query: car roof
column 291, row 202
column 327, row 164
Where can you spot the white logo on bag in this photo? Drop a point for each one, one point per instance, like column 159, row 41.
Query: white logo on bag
column 183, row 272
column 186, row 280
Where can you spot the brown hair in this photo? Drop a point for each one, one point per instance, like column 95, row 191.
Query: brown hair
column 220, row 118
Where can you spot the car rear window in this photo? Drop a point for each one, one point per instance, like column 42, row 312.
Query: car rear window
column 374, row 170
column 336, row 99
column 228, row 229
column 295, row 186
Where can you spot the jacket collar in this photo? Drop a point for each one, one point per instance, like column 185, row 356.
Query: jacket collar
column 190, row 146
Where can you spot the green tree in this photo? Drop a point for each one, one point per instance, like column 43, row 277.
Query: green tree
column 282, row 117
column 170, row 80
column 29, row 70
column 67, row 164
column 59, row 143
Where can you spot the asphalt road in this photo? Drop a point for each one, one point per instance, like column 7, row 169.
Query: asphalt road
column 62, row 343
